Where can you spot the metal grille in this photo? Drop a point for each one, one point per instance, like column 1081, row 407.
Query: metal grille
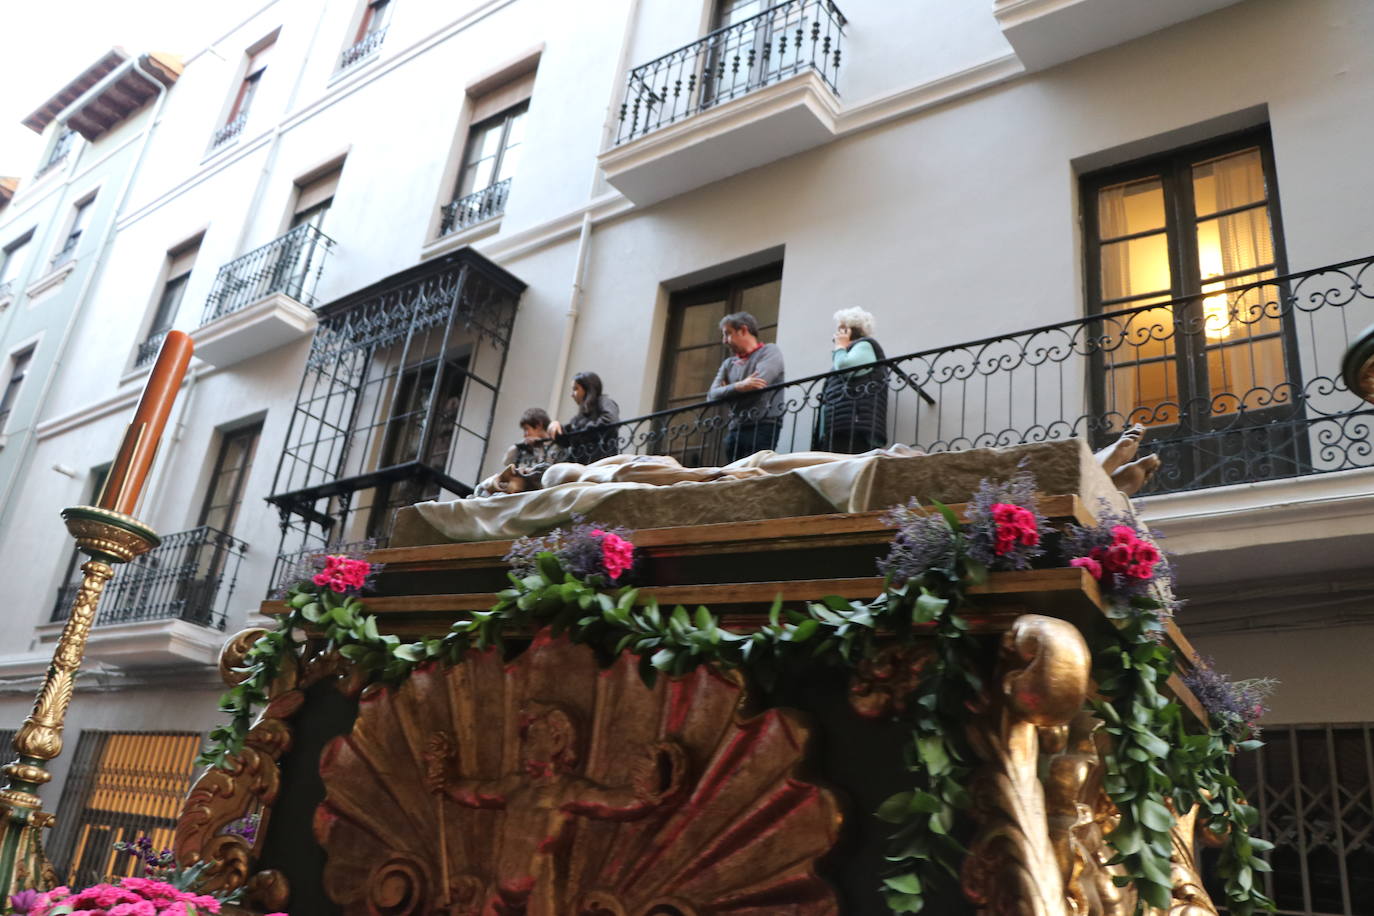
column 475, row 208
column 190, row 576
column 290, row 265
column 396, row 403
column 363, row 49
column 122, row 785
column 1056, row 382
column 784, row 40
column 229, row 131
column 1314, row 788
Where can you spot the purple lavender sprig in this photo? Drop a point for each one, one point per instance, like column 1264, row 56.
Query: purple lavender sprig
column 1088, row 548
column 245, row 827
column 142, row 849
column 923, row 541
column 1236, row 707
column 578, row 548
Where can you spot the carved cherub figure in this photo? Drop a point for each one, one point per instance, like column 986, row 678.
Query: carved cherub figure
column 543, row 796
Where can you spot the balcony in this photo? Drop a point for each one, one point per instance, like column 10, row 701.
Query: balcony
column 363, row 49
column 263, row 299
column 67, row 251
column 168, row 606
column 1048, row 32
column 149, row 348
column 229, row 132
column 478, row 207
column 6, row 292
column 745, row 95
column 1234, row 386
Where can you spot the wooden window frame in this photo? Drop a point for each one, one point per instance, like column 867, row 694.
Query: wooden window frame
column 731, row 290
column 1173, row 168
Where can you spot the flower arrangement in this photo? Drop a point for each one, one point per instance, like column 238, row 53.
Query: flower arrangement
column 1005, row 528
column 127, row 897
column 583, row 550
column 142, row 849
column 1235, row 706
column 1125, row 565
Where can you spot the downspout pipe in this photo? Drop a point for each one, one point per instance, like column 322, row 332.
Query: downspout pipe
column 83, row 296
column 584, row 237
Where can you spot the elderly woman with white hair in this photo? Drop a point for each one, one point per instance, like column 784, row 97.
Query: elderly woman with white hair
column 853, row 414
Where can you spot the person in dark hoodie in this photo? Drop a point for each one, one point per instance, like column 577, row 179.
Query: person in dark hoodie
column 579, row 435
column 853, row 402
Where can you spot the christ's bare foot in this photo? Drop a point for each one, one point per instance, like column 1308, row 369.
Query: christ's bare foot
column 1123, row 450
column 1130, row 478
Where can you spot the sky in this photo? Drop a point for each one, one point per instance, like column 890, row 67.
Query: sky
column 48, row 44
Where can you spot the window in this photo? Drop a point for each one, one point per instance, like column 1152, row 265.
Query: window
column 12, row 263
column 81, row 215
column 19, row 367
column 491, row 154
column 371, row 32
column 71, row 579
column 121, row 785
column 1178, row 231
column 247, row 90
column 179, row 264
column 224, row 494
column 415, row 434
column 692, row 351
column 62, row 145
column 1314, row 791
column 314, row 197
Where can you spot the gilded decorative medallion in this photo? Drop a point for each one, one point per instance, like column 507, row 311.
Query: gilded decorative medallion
column 550, row 787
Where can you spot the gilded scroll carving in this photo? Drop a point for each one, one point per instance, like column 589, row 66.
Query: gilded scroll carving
column 1012, row 866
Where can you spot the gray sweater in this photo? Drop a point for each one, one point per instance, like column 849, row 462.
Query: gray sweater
column 751, row 406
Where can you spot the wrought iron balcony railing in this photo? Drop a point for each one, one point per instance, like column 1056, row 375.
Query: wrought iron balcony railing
column 67, row 251
column 363, row 49
column 290, row 265
column 1234, row 385
column 475, row 208
column 6, row 289
column 148, row 350
column 190, row 576
column 229, row 131
column 783, row 40
column 60, row 149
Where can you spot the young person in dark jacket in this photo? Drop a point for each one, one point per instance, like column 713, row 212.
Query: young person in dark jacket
column 853, row 414
column 594, row 409
column 755, row 415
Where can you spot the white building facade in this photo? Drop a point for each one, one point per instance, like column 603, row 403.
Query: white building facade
column 393, row 226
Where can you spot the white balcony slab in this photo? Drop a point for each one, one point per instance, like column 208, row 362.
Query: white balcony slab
column 257, row 328
column 768, row 124
column 145, row 643
column 1048, row 32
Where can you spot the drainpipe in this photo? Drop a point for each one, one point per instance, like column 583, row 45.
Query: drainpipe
column 584, row 237
column 82, row 297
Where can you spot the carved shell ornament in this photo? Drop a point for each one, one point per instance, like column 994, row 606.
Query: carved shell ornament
column 550, row 787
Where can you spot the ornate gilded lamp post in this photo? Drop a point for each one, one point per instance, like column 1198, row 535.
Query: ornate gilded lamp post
column 108, row 534
column 1358, row 366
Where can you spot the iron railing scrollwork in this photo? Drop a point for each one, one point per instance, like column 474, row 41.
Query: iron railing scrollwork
column 289, row 265
column 1234, row 386
column 364, row 48
column 475, row 208
column 190, row 576
column 783, row 40
column 149, row 348
column 229, row 131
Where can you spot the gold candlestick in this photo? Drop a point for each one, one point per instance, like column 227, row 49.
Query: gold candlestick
column 107, row 537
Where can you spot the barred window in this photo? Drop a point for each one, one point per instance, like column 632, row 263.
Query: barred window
column 122, row 785
column 1314, row 788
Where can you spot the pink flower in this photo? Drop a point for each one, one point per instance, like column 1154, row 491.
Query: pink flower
column 342, row 574
column 1013, row 525
column 617, row 554
column 1093, row 567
